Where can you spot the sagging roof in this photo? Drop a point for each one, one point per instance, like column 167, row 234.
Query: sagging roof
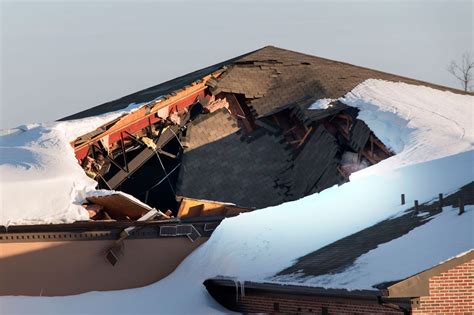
column 273, row 77
column 342, row 254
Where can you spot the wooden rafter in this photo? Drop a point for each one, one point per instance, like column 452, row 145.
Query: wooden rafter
column 144, row 116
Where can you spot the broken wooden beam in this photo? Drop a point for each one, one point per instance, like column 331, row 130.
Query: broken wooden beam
column 142, row 157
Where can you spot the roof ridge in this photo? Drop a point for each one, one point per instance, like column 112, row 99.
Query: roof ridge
column 456, row 90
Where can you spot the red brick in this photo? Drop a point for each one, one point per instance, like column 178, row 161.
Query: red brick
column 452, row 292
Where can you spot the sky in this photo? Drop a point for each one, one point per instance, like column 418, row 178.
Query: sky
column 58, row 57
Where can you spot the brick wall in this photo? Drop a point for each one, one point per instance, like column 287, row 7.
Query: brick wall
column 329, row 306
column 451, row 292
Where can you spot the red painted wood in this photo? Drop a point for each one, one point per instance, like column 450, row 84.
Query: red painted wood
column 144, row 121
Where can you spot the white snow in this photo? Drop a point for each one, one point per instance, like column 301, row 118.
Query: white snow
column 418, row 123
column 445, row 236
column 432, row 133
column 41, row 180
column 323, row 103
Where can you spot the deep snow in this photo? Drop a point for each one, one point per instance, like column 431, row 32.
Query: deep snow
column 38, row 159
column 418, row 123
column 432, row 133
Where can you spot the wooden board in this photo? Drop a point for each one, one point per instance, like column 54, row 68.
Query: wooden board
column 119, row 206
column 190, row 207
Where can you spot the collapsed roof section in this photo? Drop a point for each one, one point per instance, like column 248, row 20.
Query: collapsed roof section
column 239, row 131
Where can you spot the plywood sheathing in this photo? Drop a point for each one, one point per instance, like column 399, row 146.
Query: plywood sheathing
column 119, row 206
column 190, row 207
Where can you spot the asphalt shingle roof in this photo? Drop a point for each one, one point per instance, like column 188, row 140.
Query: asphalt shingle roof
column 341, row 254
column 272, row 76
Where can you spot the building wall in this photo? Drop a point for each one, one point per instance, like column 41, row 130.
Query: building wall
column 451, row 292
column 340, row 306
column 72, row 263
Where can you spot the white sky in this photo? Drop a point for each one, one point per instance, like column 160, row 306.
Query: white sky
column 58, row 58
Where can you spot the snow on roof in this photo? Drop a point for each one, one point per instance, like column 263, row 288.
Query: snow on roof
column 459, row 255
column 418, row 123
column 424, row 247
column 419, row 283
column 430, row 130
column 41, row 180
column 321, row 103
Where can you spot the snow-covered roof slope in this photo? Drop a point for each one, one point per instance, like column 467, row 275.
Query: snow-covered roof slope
column 40, row 178
column 445, row 236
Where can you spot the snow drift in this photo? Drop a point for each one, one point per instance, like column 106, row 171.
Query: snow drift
column 418, row 123
column 40, row 179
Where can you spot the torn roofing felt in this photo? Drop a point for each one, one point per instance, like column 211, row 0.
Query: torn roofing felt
column 241, row 133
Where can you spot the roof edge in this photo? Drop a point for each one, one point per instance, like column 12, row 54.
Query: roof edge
column 418, row 284
column 439, row 86
column 105, row 107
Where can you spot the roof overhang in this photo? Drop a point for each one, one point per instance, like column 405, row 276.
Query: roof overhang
column 418, row 285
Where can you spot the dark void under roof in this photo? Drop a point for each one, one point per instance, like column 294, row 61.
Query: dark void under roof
column 271, row 79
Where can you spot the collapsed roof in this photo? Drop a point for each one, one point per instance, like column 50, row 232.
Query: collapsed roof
column 241, row 131
column 257, row 130
column 412, row 112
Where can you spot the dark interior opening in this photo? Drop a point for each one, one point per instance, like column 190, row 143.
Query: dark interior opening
column 149, row 183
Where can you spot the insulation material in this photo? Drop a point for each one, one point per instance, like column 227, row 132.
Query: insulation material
column 163, row 112
column 352, row 162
